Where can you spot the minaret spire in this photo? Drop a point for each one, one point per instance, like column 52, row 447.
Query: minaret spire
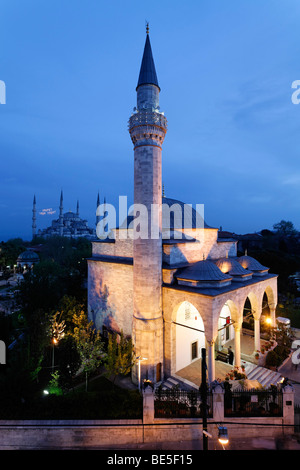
column 147, row 74
column 61, row 221
column 77, row 210
column 34, row 218
column 98, row 217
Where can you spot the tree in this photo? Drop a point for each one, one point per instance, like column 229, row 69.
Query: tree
column 285, row 228
column 68, row 360
column 89, row 344
column 120, row 355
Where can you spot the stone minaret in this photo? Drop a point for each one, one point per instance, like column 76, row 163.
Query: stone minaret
column 61, row 217
column 147, row 128
column 98, row 217
column 34, row 218
column 77, row 210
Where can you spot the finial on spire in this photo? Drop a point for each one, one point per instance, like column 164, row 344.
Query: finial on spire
column 147, row 27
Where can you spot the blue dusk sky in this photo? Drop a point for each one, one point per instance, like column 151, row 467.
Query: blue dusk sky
column 225, row 69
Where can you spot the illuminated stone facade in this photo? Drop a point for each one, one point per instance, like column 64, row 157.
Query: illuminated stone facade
column 157, row 290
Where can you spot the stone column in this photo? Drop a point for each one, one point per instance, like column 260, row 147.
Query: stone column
column 257, row 333
column 288, row 405
column 237, row 344
column 211, row 361
column 273, row 315
column 148, row 405
column 218, row 404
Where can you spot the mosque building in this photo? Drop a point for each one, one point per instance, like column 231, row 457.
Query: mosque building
column 69, row 224
column 180, row 291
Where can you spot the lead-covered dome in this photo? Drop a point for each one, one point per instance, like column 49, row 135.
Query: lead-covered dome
column 202, row 274
column 232, row 267
column 28, row 255
column 251, row 264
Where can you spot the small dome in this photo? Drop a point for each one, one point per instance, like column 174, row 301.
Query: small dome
column 202, row 271
column 28, row 255
column 247, row 262
column 232, row 267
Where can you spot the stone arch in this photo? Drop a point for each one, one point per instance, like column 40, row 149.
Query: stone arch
column 189, row 333
column 251, row 312
column 268, row 305
column 250, row 308
column 270, row 296
column 228, row 316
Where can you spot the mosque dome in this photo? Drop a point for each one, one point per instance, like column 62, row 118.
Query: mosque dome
column 232, row 267
column 251, row 264
column 70, row 215
column 202, row 274
column 180, row 216
column 28, row 256
column 184, row 216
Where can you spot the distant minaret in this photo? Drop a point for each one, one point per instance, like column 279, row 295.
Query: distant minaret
column 77, row 210
column 34, row 218
column 98, row 204
column 61, row 220
column 147, row 128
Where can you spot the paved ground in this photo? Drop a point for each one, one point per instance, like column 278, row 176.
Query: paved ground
column 257, row 443
column 193, row 371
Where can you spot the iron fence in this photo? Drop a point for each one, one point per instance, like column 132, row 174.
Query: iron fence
column 297, row 418
column 253, row 403
column 175, row 403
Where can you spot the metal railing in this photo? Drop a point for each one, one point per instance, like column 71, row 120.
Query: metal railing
column 176, row 403
column 253, row 403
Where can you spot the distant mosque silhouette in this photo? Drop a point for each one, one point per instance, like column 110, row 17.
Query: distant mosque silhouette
column 69, row 224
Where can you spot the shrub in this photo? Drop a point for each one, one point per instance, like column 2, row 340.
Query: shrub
column 277, row 356
column 272, row 359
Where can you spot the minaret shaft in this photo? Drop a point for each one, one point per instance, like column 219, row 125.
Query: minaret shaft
column 147, row 127
column 34, row 218
column 61, row 217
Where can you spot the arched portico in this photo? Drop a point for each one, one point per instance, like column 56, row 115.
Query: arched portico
column 190, row 335
column 229, row 330
column 269, row 303
column 215, row 313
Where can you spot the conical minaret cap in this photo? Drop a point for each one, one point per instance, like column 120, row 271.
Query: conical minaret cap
column 147, row 72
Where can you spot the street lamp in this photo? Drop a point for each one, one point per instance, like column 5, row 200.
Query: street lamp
column 223, row 436
column 140, row 359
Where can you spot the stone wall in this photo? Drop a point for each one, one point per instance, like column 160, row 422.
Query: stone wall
column 110, row 295
column 116, row 434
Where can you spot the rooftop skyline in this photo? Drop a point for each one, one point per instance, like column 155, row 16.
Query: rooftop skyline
column 225, row 71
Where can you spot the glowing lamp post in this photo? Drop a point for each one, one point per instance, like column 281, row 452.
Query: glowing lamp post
column 223, row 436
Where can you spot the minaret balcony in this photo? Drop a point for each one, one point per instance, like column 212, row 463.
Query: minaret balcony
column 147, row 118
